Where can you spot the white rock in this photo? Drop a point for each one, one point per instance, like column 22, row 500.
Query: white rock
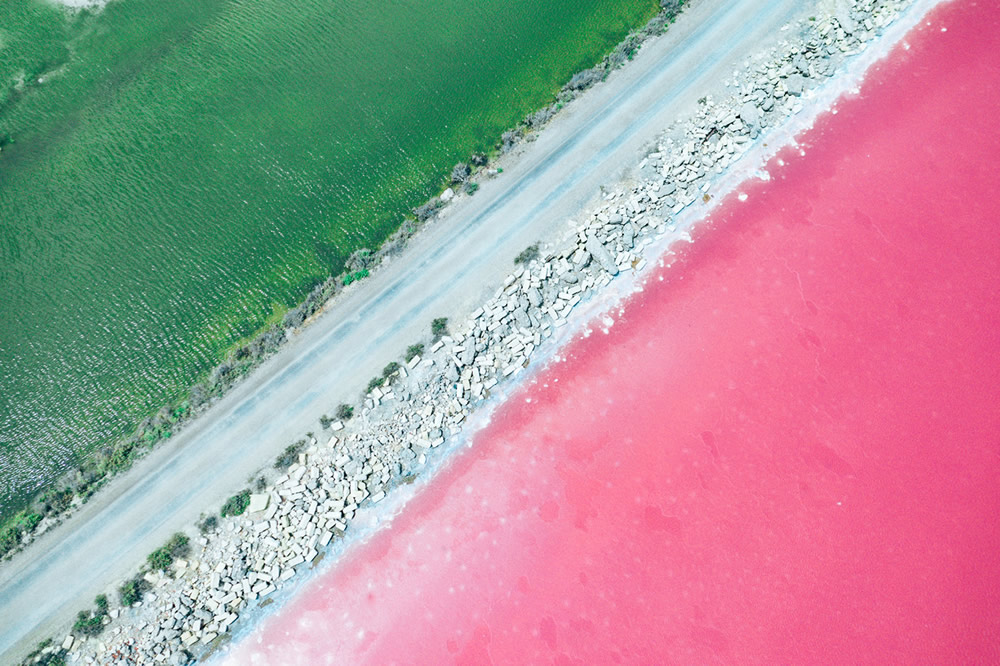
column 601, row 254
column 258, row 502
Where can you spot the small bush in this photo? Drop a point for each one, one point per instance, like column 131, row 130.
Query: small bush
column 88, row 624
column 55, row 501
column 179, row 545
column 21, row 524
column 345, row 412
column 289, row 456
column 374, row 384
column 439, row 328
column 471, row 187
column 91, row 623
column 413, row 351
column 238, row 503
column 325, row 421
column 208, row 525
column 527, row 255
column 9, row 539
column 131, row 591
column 389, row 369
column 261, row 484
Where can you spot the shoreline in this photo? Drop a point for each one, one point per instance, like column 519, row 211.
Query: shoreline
column 164, row 455
column 536, row 299
column 58, row 500
column 52, row 504
column 659, row 440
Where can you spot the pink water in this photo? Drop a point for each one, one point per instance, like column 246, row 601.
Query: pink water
column 787, row 450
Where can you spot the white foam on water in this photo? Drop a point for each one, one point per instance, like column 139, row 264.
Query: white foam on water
column 80, row 4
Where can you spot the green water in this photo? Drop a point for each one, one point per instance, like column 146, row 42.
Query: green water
column 185, row 168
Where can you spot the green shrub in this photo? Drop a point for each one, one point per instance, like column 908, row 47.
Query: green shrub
column 238, row 503
column 178, row 546
column 9, row 539
column 123, row 456
column 345, row 412
column 527, row 255
column 471, row 188
column 374, row 384
column 91, row 623
column 88, row 624
column 439, row 328
column 355, row 276
column 389, row 369
column 325, row 421
column 180, row 411
column 20, row 524
column 131, row 591
column 56, row 501
column 413, row 351
column 160, row 559
column 30, row 522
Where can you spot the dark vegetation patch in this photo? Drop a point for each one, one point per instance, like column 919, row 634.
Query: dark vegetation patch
column 289, row 455
column 131, row 591
column 527, row 255
column 91, row 623
column 179, row 546
column 55, row 657
column 439, row 328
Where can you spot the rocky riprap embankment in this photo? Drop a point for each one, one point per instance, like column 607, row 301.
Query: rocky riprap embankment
column 427, row 401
